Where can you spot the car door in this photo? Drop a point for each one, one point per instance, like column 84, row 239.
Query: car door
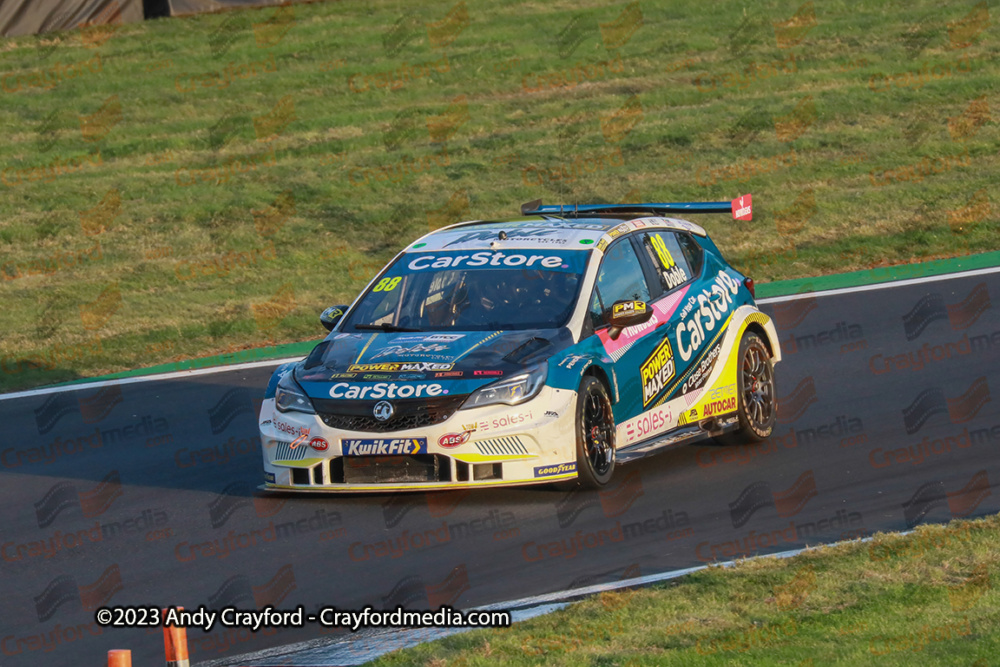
column 675, row 261
column 624, row 276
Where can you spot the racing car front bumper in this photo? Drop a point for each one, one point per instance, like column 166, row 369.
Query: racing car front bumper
column 530, row 443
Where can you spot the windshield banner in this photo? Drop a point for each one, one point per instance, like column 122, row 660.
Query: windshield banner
column 567, row 261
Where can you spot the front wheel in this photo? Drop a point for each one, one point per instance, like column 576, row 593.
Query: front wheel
column 756, row 408
column 595, row 435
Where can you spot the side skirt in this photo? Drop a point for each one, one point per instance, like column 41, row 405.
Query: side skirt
column 679, row 436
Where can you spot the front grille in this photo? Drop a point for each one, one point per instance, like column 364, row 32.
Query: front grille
column 408, row 414
column 394, row 469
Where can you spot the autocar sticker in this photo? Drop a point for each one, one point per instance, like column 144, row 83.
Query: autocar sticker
column 662, row 311
column 711, row 402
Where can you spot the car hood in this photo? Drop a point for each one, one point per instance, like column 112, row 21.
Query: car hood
column 460, row 362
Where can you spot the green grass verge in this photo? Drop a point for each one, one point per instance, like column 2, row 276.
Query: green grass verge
column 926, row 598
column 195, row 186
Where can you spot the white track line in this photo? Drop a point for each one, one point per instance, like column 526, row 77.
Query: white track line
column 258, row 364
column 147, row 378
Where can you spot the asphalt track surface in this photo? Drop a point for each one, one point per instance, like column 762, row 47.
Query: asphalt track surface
column 885, row 421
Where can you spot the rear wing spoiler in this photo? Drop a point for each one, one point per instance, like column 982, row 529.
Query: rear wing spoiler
column 741, row 208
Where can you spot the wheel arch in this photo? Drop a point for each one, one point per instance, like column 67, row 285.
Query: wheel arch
column 750, row 318
column 759, row 330
column 596, row 371
column 276, row 375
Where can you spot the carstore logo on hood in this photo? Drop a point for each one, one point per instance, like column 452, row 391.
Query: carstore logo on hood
column 386, row 390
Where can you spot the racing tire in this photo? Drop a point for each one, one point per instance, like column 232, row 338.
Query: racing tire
column 756, row 407
column 595, row 435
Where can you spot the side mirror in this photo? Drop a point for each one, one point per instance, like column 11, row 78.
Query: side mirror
column 626, row 314
column 331, row 316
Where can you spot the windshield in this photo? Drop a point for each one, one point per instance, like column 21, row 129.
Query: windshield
column 473, row 291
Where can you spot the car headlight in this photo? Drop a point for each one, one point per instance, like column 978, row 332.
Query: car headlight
column 512, row 391
column 289, row 397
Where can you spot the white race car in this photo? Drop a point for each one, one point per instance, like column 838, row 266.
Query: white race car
column 547, row 348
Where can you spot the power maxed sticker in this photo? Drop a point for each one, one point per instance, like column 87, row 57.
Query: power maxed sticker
column 556, row 469
column 657, row 371
column 383, row 446
column 399, row 367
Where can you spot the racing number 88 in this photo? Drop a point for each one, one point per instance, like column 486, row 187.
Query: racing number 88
column 387, row 284
column 661, row 249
